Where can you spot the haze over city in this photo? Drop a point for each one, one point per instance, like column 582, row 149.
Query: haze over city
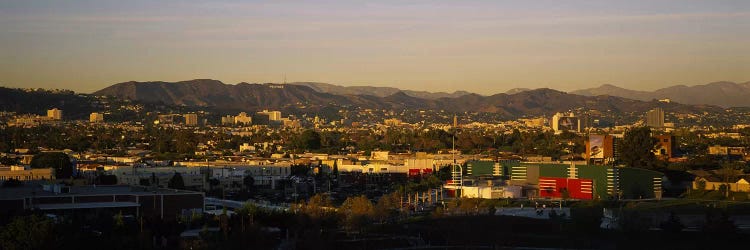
column 478, row 46
column 298, row 125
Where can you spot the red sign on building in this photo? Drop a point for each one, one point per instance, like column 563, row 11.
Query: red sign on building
column 414, row 172
column 576, row 188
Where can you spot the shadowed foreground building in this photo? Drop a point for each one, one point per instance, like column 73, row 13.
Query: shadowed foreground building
column 130, row 200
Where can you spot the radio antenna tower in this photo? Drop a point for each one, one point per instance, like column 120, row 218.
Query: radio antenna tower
column 456, row 169
column 453, row 150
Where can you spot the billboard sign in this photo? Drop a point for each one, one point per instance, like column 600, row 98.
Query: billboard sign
column 567, row 124
column 596, row 146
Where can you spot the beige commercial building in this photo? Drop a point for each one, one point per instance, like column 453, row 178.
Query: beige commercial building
column 96, row 117
column 19, row 173
column 193, row 178
column 227, row 120
column 272, row 115
column 734, row 184
column 243, row 118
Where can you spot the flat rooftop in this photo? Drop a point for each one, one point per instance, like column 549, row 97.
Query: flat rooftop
column 35, row 189
column 86, row 205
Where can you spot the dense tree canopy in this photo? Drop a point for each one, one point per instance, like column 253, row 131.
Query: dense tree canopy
column 637, row 148
column 176, row 182
column 307, row 140
column 8, row 161
column 357, row 212
column 59, row 161
column 26, row 232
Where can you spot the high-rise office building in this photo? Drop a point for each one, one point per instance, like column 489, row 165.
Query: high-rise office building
column 272, row 115
column 55, row 114
column 243, row 118
column 96, row 117
column 655, row 118
column 191, row 119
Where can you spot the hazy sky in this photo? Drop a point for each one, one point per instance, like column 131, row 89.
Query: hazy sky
column 480, row 46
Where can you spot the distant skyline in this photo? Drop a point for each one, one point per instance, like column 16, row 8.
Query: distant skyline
column 476, row 46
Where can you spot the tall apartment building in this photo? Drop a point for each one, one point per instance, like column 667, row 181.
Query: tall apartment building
column 272, row 115
column 55, row 114
column 655, row 118
column 227, row 120
column 191, row 119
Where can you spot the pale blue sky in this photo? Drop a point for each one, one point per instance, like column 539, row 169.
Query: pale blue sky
column 480, row 46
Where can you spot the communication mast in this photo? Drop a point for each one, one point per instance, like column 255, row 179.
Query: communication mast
column 456, row 169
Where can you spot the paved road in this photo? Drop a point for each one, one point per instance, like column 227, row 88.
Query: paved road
column 238, row 204
column 692, row 222
column 531, row 212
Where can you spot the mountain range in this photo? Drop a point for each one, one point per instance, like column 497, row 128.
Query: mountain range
column 724, row 94
column 247, row 96
column 376, row 91
column 38, row 101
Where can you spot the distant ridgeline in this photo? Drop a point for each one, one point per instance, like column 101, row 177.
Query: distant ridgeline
column 75, row 106
column 38, row 101
column 220, row 99
column 294, row 98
